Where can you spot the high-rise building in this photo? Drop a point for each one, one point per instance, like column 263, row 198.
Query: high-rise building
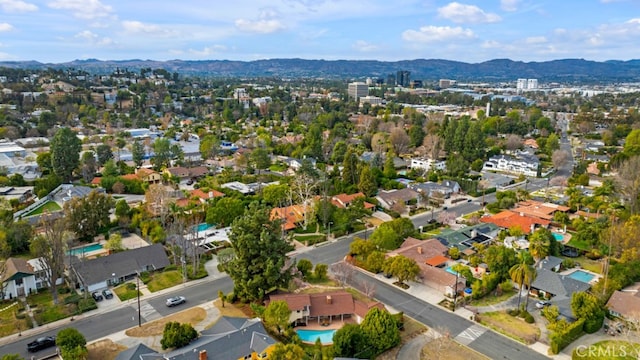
column 356, row 90
column 446, row 83
column 521, row 84
column 402, row 78
column 526, row 84
column 532, row 84
column 391, row 80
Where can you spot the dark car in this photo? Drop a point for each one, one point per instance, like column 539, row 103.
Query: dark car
column 41, row 343
column 107, row 294
column 96, row 296
column 176, row 300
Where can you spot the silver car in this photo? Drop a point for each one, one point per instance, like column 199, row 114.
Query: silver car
column 176, row 300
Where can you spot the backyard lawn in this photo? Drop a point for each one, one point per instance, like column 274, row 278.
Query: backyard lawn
column 510, row 326
column 582, row 245
column 164, row 280
column 588, row 264
column 49, row 206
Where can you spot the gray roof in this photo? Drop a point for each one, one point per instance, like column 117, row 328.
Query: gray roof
column 139, row 352
column 228, row 339
column 121, row 264
column 549, row 262
column 561, row 286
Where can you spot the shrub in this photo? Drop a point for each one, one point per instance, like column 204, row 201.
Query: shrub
column 177, row 335
column 72, row 299
column 63, row 290
column 559, row 340
column 131, row 286
column 87, row 304
column 528, row 318
column 513, row 312
column 170, row 268
column 145, row 277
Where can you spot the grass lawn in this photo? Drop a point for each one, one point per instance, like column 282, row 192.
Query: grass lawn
column 229, row 309
column 510, row 326
column 445, row 348
column 608, row 350
column 44, row 310
column 124, row 293
column 164, row 280
column 155, row 328
column 9, row 323
column 310, row 239
column 49, row 206
column 587, row 264
column 491, row 299
column 582, row 245
column 104, row 350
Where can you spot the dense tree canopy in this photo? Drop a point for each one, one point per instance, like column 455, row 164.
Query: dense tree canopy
column 65, row 153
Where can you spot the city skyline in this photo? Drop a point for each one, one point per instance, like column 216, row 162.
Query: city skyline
column 468, row 31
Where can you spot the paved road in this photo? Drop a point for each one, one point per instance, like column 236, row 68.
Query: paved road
column 101, row 325
column 467, row 332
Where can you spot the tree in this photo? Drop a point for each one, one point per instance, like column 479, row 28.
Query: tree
column 304, row 266
column 260, row 159
column 176, row 335
column 287, row 352
column 104, row 153
column 588, row 307
column 401, row 267
column 49, row 247
column 375, row 261
column 276, row 194
column 162, row 153
column 222, row 297
column 361, row 248
column 349, row 342
column 85, row 216
column 65, row 153
column 522, row 273
column 628, row 181
column 89, row 166
column 559, row 158
column 320, row 272
column 72, row 344
column 123, row 212
column 261, row 254
column 389, row 169
column 500, row 259
column 367, row 184
column 224, row 211
column 11, row 357
column 44, row 162
column 277, row 314
column 209, row 146
column 137, row 153
column 381, row 330
column 399, row 140
column 114, row 244
column 632, row 143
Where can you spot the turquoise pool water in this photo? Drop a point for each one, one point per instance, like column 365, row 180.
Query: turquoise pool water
column 581, row 276
column 557, row 236
column 325, row 336
column 84, row 249
column 203, row 227
column 451, row 271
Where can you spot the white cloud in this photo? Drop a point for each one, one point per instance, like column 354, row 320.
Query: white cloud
column 17, row 6
column 5, row 27
column 509, row 5
column 208, row 50
column 536, row 40
column 83, row 9
column 138, row 27
column 462, row 13
column 259, row 26
column 94, row 38
column 437, row 33
column 491, row 44
column 364, row 46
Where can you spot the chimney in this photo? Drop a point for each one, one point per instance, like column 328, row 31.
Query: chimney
column 474, row 233
column 210, row 194
column 202, row 355
column 419, row 249
column 329, row 301
column 521, row 214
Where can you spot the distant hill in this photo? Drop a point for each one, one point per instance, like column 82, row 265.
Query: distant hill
column 567, row 70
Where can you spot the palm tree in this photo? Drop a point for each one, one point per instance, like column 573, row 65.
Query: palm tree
column 522, row 273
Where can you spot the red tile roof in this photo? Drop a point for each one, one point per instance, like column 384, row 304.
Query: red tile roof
column 509, row 219
column 290, row 216
column 437, row 260
column 344, row 200
column 206, row 196
column 327, row 304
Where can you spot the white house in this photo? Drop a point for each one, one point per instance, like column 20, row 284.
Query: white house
column 18, row 279
column 527, row 166
column 427, row 164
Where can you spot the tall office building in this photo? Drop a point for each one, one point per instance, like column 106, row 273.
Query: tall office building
column 532, row 84
column 402, row 78
column 526, row 84
column 356, row 90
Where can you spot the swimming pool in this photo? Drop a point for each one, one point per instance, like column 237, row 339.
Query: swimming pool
column 582, row 276
column 202, row 227
column 451, row 271
column 557, row 236
column 84, row 249
column 310, row 336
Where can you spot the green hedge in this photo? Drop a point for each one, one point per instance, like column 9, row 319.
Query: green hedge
column 560, row 340
column 88, row 304
column 72, row 299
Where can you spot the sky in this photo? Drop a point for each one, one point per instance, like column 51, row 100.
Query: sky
column 387, row 30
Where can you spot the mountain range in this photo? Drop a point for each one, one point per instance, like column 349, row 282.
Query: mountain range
column 565, row 70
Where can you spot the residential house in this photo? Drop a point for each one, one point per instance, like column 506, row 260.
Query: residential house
column 466, row 237
column 442, row 190
column 182, row 173
column 427, row 164
column 198, row 172
column 559, row 288
column 430, row 255
column 205, row 196
column 42, row 273
column 229, row 339
column 326, row 307
column 99, row 273
column 149, row 176
column 343, row 200
column 291, row 216
column 523, row 164
column 18, row 279
column 495, row 180
column 21, row 193
column 389, row 199
column 538, row 209
column 625, row 305
column 508, row 219
column 296, row 164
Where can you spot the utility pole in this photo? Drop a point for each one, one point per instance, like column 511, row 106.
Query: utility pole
column 138, row 289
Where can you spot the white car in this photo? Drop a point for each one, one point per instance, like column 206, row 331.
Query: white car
column 176, row 300
column 542, row 304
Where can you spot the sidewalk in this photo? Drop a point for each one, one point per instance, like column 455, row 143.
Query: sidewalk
column 211, row 267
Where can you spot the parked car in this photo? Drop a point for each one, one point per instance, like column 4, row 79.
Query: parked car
column 542, row 304
column 176, row 300
column 107, row 294
column 41, row 343
column 96, row 296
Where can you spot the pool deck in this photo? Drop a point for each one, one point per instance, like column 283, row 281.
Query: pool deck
column 595, row 279
column 334, row 325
